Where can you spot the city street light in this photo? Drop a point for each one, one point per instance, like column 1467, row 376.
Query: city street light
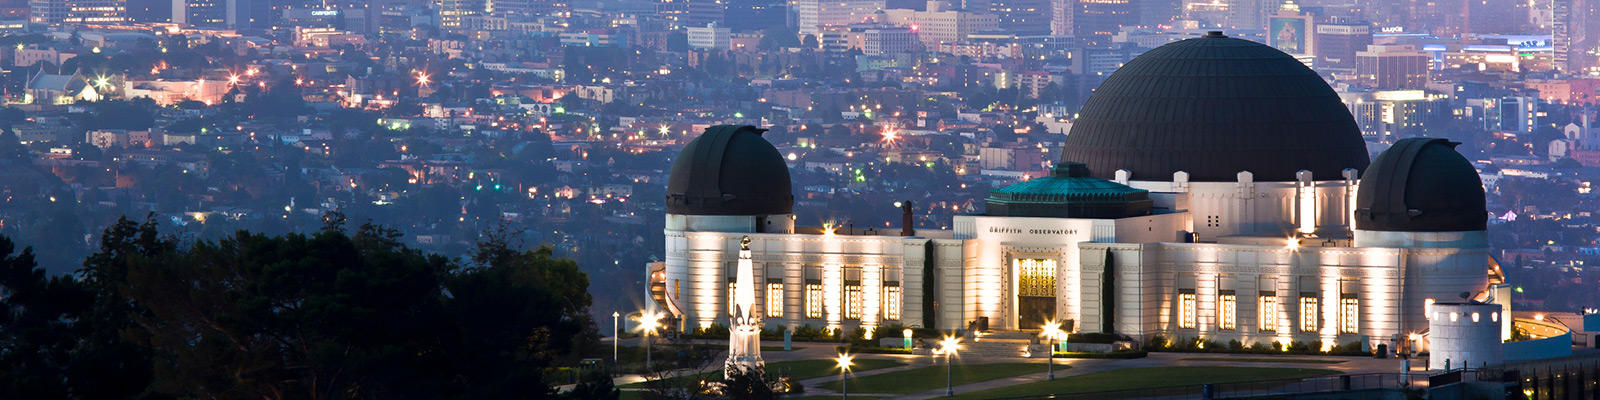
column 649, row 321
column 844, row 368
column 949, row 346
column 615, row 340
column 1051, row 330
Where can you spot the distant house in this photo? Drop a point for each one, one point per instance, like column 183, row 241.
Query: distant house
column 58, row 89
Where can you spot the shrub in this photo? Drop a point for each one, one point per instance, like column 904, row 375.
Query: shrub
column 1095, row 337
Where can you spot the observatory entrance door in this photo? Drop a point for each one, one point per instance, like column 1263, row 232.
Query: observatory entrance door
column 1036, row 291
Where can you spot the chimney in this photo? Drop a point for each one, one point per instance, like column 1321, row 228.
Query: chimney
column 906, row 228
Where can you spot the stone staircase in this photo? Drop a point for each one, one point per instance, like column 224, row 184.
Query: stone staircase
column 998, row 344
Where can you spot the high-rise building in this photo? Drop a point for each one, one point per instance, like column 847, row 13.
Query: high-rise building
column 1250, row 14
column 150, row 10
column 1293, row 32
column 709, row 37
column 1391, row 115
column 1392, row 67
column 1094, row 21
column 938, row 23
column 753, row 15
column 214, row 13
column 451, row 12
column 1159, row 12
column 1497, row 16
column 889, row 40
column 1576, row 29
column 813, row 15
column 1022, row 17
column 77, row 12
column 1337, row 43
column 1061, row 13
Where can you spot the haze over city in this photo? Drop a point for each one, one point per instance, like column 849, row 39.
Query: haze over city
column 701, row 199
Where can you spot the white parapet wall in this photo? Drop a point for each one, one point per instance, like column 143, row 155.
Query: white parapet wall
column 1464, row 335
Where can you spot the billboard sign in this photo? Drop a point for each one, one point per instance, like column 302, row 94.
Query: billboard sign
column 1288, row 34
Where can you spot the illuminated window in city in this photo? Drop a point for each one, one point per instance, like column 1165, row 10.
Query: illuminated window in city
column 1188, row 311
column 1349, row 314
column 852, row 301
column 1227, row 311
column 813, row 300
column 1308, row 314
column 891, row 303
column 774, row 300
column 1267, row 313
column 733, row 300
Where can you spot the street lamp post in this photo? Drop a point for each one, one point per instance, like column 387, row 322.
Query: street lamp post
column 949, row 347
column 615, row 340
column 844, row 369
column 1051, row 329
column 648, row 322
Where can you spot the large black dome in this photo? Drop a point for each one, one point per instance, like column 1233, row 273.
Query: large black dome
column 1421, row 185
column 1214, row 106
column 729, row 170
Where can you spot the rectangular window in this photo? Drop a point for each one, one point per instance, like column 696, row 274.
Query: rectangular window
column 891, row 303
column 774, row 300
column 813, row 300
column 733, row 298
column 1267, row 313
column 1227, row 311
column 1188, row 311
column 1308, row 313
column 852, row 301
column 1349, row 314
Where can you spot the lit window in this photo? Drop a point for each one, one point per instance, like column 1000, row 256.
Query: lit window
column 733, row 299
column 813, row 300
column 852, row 301
column 1227, row 311
column 891, row 303
column 1187, row 310
column 774, row 300
column 1267, row 313
column 1308, row 314
column 1349, row 314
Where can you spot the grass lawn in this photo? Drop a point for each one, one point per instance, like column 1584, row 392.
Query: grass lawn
column 801, row 369
column 929, row 378
column 807, row 369
column 830, row 397
column 1264, row 359
column 1146, row 377
column 772, row 348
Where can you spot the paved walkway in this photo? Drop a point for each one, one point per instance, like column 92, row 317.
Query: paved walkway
column 1064, row 367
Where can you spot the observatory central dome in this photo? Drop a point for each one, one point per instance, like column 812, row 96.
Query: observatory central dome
column 729, row 170
column 1214, row 106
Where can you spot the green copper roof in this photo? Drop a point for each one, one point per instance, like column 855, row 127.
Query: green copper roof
column 1068, row 192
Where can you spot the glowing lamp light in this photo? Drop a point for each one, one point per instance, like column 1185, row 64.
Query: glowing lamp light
column 649, row 322
column 844, row 361
column 950, row 345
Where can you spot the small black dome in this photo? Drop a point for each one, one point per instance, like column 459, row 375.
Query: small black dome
column 1214, row 106
column 1421, row 185
column 729, row 170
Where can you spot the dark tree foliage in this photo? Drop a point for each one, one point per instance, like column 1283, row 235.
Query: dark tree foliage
column 596, row 385
column 335, row 314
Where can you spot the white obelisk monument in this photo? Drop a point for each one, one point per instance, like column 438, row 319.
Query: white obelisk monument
column 744, row 335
